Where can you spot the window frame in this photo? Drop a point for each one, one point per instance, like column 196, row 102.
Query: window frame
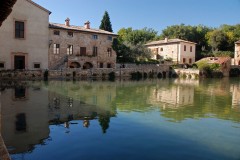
column 56, row 32
column 56, row 50
column 83, row 53
column 37, row 63
column 95, row 51
column 20, row 30
column 95, row 37
column 70, row 34
column 110, row 38
column 109, row 52
column 70, row 49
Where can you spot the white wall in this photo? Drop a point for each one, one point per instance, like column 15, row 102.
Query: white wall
column 36, row 39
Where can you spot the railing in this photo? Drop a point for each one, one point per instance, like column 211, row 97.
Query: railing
column 60, row 62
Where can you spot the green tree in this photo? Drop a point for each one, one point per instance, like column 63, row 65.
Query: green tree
column 106, row 23
column 218, row 40
column 130, row 44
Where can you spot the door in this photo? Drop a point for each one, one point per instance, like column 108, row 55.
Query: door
column 19, row 62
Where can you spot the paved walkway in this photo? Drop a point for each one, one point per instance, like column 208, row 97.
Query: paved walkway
column 4, row 155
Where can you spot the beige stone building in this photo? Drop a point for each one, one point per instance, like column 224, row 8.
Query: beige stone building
column 24, row 39
column 178, row 50
column 80, row 47
column 237, row 53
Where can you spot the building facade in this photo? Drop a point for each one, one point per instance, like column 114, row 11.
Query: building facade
column 177, row 50
column 237, row 53
column 24, row 39
column 80, row 47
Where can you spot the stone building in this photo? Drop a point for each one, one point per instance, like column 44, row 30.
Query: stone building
column 24, row 39
column 177, row 50
column 237, row 53
column 80, row 47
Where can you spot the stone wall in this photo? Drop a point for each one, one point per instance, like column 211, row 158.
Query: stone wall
column 154, row 70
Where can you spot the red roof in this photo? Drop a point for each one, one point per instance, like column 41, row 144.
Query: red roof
column 218, row 60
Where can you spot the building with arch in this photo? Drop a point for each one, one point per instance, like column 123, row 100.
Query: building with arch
column 80, row 47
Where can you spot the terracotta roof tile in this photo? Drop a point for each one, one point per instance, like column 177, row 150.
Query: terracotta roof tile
column 168, row 42
column 79, row 28
column 218, row 60
column 238, row 42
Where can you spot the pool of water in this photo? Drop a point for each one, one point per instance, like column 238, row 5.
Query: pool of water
column 151, row 119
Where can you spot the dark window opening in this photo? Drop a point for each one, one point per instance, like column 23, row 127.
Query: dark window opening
column 37, row 65
column 20, row 92
column 70, row 34
column 19, row 62
column 56, row 33
column 83, row 51
column 19, row 29
column 95, row 51
column 109, row 65
column 2, row 65
column 101, row 65
column 21, row 124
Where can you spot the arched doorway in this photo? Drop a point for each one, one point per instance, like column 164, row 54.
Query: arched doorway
column 87, row 65
column 75, row 65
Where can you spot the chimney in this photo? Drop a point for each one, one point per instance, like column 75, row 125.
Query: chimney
column 87, row 25
column 166, row 40
column 67, row 22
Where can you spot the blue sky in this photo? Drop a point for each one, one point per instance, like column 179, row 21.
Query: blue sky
column 156, row 14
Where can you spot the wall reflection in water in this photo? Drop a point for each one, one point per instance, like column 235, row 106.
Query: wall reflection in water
column 27, row 109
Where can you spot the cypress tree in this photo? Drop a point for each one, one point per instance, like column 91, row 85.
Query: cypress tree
column 106, row 23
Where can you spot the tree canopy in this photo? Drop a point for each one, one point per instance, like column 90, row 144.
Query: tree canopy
column 106, row 23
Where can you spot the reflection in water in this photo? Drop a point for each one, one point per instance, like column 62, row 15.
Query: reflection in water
column 31, row 108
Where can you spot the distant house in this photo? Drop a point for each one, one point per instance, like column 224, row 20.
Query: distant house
column 80, row 47
column 237, row 53
column 224, row 62
column 180, row 51
column 24, row 37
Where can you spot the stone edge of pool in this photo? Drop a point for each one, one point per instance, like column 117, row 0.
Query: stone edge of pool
column 4, row 155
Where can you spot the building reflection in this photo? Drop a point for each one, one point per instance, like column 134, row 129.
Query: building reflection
column 180, row 93
column 235, row 90
column 28, row 110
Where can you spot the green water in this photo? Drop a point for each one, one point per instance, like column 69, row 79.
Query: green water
column 152, row 119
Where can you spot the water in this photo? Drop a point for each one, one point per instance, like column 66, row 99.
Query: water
column 152, row 119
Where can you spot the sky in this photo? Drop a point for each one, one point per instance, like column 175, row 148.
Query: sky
column 155, row 14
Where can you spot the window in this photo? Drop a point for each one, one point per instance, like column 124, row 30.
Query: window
column 185, row 47
column 95, row 36
column 56, row 48
column 109, row 65
column 110, row 38
column 161, row 49
column 55, row 32
column 190, row 48
column 95, row 51
column 101, row 65
column 83, row 51
column 70, row 34
column 21, row 123
column 109, row 52
column 190, row 60
column 70, row 49
column 37, row 65
column 19, row 29
column 2, row 65
column 184, row 60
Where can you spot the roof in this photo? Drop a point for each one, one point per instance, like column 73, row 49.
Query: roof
column 238, row 42
column 37, row 5
column 168, row 41
column 79, row 28
column 217, row 60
